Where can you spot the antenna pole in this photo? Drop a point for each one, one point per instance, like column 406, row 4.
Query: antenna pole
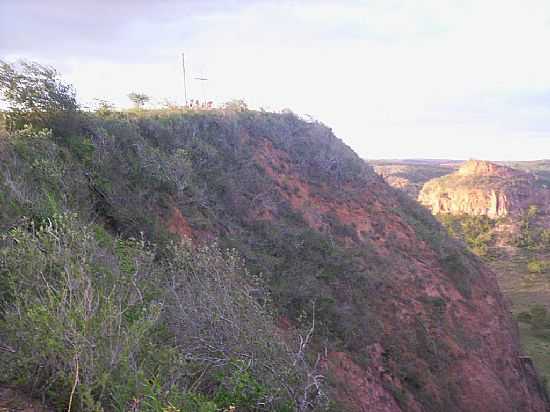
column 184, row 77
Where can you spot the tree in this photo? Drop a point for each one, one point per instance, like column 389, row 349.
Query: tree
column 34, row 94
column 527, row 235
column 139, row 99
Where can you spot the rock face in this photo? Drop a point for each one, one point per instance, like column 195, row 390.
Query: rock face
column 484, row 188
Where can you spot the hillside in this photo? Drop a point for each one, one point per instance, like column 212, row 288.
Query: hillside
column 502, row 215
column 205, row 260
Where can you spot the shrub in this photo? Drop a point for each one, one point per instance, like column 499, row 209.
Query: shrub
column 217, row 322
column 74, row 316
column 530, row 235
column 475, row 231
column 108, row 323
column 536, row 266
column 524, row 316
column 39, row 177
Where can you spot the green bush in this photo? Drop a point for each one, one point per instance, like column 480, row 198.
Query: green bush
column 475, row 231
column 531, row 235
column 100, row 323
column 67, row 311
column 524, row 316
column 39, row 178
column 537, row 266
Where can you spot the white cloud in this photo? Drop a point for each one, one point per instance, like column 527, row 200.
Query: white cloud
column 429, row 78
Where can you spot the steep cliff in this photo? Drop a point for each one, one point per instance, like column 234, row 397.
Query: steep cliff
column 406, row 319
column 485, row 188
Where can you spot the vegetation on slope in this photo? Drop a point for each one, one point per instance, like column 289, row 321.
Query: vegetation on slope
column 475, row 231
column 101, row 307
column 87, row 200
column 521, row 259
column 517, row 248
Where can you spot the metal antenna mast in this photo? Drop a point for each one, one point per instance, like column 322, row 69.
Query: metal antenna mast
column 184, row 77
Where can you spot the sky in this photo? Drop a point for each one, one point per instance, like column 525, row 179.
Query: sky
column 453, row 79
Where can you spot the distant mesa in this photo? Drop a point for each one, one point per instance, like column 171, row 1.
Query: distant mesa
column 485, row 168
column 484, row 188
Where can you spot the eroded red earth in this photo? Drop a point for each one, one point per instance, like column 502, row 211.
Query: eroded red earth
column 476, row 363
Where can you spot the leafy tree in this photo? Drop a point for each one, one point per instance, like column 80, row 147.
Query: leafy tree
column 34, row 94
column 476, row 231
column 530, row 235
column 139, row 99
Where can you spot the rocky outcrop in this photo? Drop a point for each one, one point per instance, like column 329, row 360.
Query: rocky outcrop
column 484, row 188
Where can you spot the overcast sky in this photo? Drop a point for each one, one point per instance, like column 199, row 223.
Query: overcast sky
column 393, row 78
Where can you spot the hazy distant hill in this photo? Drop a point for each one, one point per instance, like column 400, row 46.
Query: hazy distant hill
column 411, row 174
